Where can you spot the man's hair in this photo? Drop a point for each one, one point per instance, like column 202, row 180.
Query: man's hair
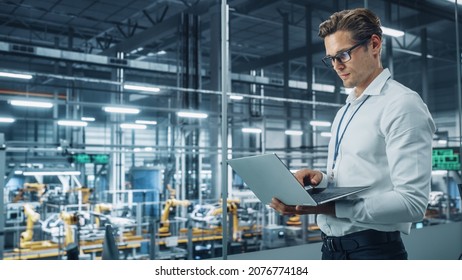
column 361, row 22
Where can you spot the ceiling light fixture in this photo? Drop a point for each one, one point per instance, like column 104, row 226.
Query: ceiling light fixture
column 326, row 134
column 50, row 173
column 121, row 110
column 323, row 87
column 132, row 126
column 443, row 142
column 146, row 122
column 293, row 132
column 16, row 75
column 6, row 120
column 392, row 32
column 236, row 97
column 88, row 119
column 194, row 115
column 251, row 130
column 142, row 88
column 320, row 123
column 161, row 52
column 412, row 52
column 454, row 1
column 439, row 172
column 30, row 103
column 72, row 123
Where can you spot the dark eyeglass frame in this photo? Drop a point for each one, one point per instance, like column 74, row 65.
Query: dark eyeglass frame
column 329, row 60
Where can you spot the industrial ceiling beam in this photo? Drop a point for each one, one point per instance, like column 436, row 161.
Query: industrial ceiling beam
column 277, row 58
column 158, row 31
column 145, row 37
column 427, row 7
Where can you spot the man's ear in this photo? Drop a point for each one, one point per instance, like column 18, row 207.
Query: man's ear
column 376, row 43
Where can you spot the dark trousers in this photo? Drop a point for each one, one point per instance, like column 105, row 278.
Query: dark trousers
column 364, row 245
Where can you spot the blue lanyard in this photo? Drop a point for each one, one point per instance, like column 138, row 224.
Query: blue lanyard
column 339, row 141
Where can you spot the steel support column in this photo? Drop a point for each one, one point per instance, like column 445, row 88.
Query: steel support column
column 215, row 84
column 191, row 78
column 286, row 74
column 224, row 123
column 424, row 64
column 117, row 171
column 2, row 188
column 459, row 86
column 308, row 136
column 388, row 41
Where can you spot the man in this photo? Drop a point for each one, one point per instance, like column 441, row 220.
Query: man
column 381, row 138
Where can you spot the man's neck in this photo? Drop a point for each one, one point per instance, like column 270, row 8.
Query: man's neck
column 359, row 90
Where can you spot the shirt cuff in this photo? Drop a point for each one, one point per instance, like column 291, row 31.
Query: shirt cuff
column 324, row 181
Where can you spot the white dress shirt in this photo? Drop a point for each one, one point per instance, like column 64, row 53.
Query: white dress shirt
column 388, row 146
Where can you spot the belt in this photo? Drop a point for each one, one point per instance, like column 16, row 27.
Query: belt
column 359, row 239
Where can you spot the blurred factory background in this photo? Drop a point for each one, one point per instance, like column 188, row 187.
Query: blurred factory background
column 111, row 120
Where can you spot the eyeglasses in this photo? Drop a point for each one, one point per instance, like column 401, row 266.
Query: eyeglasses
column 342, row 57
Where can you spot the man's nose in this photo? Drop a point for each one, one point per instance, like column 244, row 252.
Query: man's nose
column 337, row 64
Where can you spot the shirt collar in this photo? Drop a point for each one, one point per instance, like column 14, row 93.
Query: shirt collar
column 374, row 88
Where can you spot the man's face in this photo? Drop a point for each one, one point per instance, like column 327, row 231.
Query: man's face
column 359, row 70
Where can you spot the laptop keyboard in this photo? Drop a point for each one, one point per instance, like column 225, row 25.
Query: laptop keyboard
column 321, row 194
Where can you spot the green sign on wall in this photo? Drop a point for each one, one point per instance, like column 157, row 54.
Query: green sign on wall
column 445, row 159
column 90, row 158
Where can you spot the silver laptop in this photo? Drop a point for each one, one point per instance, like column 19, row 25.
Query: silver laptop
column 267, row 176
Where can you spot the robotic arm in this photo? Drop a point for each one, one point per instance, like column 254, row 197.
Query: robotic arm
column 69, row 220
column 165, row 228
column 31, row 217
column 101, row 208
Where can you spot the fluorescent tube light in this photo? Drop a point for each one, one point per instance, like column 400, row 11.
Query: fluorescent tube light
column 88, row 119
column 72, row 123
column 16, row 75
column 29, row 103
column 320, row 123
column 148, row 149
column 293, row 132
column 142, row 88
column 195, row 115
column 442, row 141
column 18, row 172
column 326, row 134
column 6, row 120
column 132, row 126
column 251, row 130
column 236, row 97
column 314, row 86
column 323, row 87
column 146, row 122
column 121, row 110
column 161, row 52
column 412, row 52
column 459, row 2
column 392, row 32
column 50, row 173
column 439, row 172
